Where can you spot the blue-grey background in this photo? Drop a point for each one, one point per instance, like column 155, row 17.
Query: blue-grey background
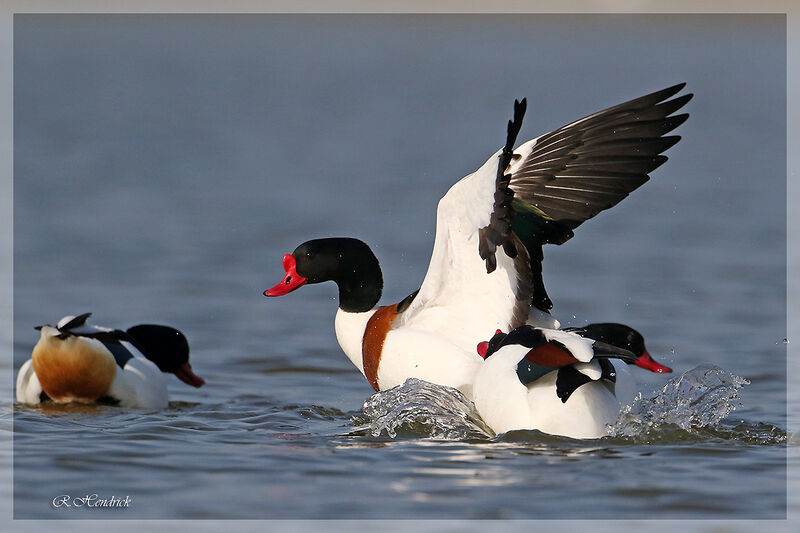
column 164, row 164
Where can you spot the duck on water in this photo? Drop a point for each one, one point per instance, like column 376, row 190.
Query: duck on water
column 75, row 361
column 485, row 272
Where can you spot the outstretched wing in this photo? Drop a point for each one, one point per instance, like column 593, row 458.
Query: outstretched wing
column 570, row 175
column 585, row 167
column 552, row 184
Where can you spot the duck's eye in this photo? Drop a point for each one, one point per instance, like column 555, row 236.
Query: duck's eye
column 309, row 255
column 288, row 279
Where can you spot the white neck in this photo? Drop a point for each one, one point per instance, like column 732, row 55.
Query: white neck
column 350, row 334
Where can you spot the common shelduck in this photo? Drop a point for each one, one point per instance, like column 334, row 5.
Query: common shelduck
column 623, row 336
column 78, row 362
column 515, row 203
column 561, row 382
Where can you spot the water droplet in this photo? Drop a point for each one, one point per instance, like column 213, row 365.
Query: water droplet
column 785, row 341
column 422, row 409
column 698, row 398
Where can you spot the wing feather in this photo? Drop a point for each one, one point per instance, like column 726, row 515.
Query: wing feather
column 520, row 200
column 611, row 151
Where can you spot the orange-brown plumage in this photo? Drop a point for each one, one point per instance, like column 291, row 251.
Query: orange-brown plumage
column 375, row 333
column 72, row 369
column 551, row 354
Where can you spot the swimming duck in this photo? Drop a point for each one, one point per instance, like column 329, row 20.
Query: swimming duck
column 485, row 272
column 79, row 362
column 561, row 382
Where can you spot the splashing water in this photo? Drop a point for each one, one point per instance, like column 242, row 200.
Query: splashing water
column 696, row 399
column 694, row 402
column 421, row 409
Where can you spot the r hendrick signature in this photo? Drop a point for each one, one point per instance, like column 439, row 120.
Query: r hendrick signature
column 91, row 501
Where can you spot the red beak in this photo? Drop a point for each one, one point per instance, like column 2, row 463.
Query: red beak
column 483, row 347
column 291, row 281
column 186, row 375
column 648, row 363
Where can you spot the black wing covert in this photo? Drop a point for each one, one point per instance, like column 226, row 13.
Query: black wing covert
column 574, row 173
column 593, row 163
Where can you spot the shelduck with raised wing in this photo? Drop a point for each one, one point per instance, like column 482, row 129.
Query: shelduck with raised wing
column 485, row 271
column 78, row 362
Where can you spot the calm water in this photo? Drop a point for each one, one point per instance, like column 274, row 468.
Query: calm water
column 164, row 165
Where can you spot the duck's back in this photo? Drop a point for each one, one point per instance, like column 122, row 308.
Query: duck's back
column 583, row 416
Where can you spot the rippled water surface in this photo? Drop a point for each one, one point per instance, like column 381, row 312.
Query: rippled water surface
column 164, row 165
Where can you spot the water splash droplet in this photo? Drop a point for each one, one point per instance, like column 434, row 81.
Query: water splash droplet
column 698, row 398
column 421, row 409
